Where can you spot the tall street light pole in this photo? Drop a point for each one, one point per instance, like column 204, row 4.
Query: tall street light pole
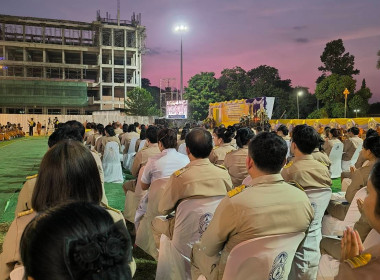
column 298, row 106
column 181, row 29
column 345, row 92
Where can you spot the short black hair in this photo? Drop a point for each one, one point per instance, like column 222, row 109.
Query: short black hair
column 109, row 129
column 371, row 132
column 243, row 136
column 306, row 138
column 151, row 134
column 373, row 144
column 125, row 127
column 268, row 151
column 131, row 128
column 226, row 134
column 199, row 142
column 283, row 129
column 335, row 132
column 374, row 176
column 76, row 125
column 354, row 130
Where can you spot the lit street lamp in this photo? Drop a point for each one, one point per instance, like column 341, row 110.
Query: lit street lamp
column 298, row 106
column 181, row 29
column 356, row 111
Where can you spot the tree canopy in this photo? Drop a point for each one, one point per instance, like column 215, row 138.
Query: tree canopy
column 140, row 103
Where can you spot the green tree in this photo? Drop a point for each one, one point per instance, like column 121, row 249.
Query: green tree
column 201, row 90
column 360, row 100
column 330, row 92
column 140, row 103
column 154, row 91
column 374, row 109
column 335, row 61
column 234, row 83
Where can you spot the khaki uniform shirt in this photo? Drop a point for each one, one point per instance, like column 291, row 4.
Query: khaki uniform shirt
column 321, row 157
column 94, row 137
column 329, row 145
column 350, row 146
column 142, row 157
column 118, row 131
column 218, row 154
column 107, row 139
column 360, row 268
column 270, row 206
column 126, row 140
column 307, row 172
column 87, row 135
column 361, row 160
column 198, row 178
column 235, row 164
column 359, row 180
column 11, row 258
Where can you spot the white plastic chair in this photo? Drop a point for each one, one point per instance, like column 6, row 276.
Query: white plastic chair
column 111, row 164
column 191, row 220
column 356, row 154
column 336, row 159
column 141, row 145
column 144, row 234
column 268, row 257
column 334, row 227
column 306, row 260
column 128, row 157
column 17, row 273
column 288, row 144
column 329, row 267
column 132, row 199
column 182, row 149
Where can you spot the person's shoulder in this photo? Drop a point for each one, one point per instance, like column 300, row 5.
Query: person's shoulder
column 181, row 171
column 235, row 191
column 109, row 208
column 25, row 213
column 288, row 165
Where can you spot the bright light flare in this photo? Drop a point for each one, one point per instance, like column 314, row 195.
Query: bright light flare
column 180, row 28
column 300, row 93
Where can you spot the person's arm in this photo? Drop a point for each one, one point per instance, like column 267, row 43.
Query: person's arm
column 169, row 196
column 356, row 184
column 146, row 176
column 220, row 228
column 212, row 157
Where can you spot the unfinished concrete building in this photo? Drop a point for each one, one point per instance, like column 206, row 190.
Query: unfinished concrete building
column 50, row 66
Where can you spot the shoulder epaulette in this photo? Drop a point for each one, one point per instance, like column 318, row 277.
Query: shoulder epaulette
column 359, row 261
column 236, row 190
column 215, row 147
column 324, row 163
column 180, row 171
column 24, row 213
column 230, row 152
column 109, row 208
column 220, row 166
column 290, row 163
column 32, row 177
column 294, row 183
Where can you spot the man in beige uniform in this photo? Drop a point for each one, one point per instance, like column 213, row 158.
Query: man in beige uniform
column 269, row 206
column 349, row 147
column 141, row 158
column 200, row 178
column 307, row 172
column 127, row 137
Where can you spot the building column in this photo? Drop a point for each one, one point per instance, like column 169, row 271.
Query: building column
column 63, row 64
column 81, row 62
column 44, row 62
column 25, row 60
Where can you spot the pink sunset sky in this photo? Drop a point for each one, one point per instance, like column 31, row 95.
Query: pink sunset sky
column 287, row 34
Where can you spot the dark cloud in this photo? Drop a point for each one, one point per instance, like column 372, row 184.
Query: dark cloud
column 299, row 27
column 302, row 40
column 160, row 51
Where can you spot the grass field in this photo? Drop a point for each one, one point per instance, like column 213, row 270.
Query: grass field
column 21, row 158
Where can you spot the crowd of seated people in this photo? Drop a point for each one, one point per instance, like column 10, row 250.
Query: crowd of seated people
column 262, row 178
column 10, row 131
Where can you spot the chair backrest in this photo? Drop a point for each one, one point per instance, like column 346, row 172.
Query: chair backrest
column 138, row 190
column 372, row 239
column 288, row 144
column 191, row 220
column 268, row 257
column 17, row 273
column 111, row 152
column 353, row 213
column 132, row 146
column 319, row 200
column 154, row 196
column 182, row 149
column 356, row 154
column 336, row 160
column 141, row 145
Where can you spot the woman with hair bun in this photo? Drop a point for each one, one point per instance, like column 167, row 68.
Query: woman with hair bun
column 222, row 144
column 235, row 160
column 76, row 241
column 333, row 138
column 110, row 137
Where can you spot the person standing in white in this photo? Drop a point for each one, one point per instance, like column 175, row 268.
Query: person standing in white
column 164, row 164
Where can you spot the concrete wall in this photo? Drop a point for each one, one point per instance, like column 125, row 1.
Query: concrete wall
column 97, row 117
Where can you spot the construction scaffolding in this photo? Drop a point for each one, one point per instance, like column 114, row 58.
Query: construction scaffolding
column 168, row 92
column 103, row 56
